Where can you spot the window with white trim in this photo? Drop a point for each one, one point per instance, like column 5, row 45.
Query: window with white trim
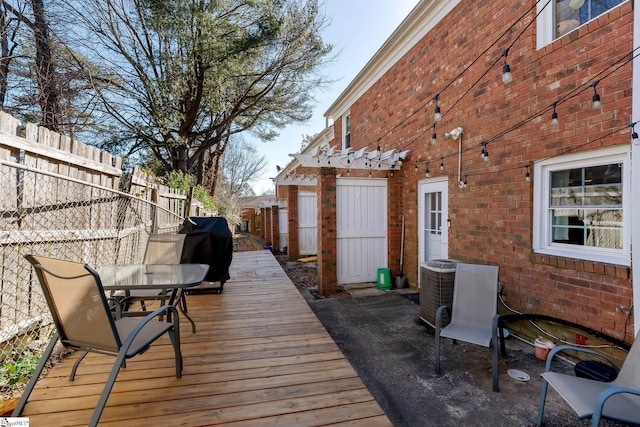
column 581, row 206
column 346, row 131
column 559, row 17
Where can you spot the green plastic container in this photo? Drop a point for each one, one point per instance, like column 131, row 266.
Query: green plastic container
column 384, row 279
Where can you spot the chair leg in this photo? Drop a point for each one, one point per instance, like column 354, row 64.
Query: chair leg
column 494, row 353
column 543, row 398
column 437, row 343
column 181, row 304
column 36, row 374
column 72, row 376
column 174, row 336
column 97, row 413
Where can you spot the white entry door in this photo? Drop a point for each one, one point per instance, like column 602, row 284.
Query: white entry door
column 433, row 237
column 361, row 233
column 307, row 223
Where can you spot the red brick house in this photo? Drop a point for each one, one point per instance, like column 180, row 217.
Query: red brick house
column 532, row 171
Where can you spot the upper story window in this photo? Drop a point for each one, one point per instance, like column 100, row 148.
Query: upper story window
column 559, row 17
column 346, row 131
column 581, row 206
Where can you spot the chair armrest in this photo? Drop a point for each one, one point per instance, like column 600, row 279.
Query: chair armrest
column 162, row 311
column 606, row 394
column 440, row 310
column 560, row 348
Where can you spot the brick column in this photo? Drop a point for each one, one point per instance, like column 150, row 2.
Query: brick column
column 254, row 223
column 394, row 227
column 327, row 230
column 275, row 228
column 268, row 237
column 293, row 248
column 263, row 224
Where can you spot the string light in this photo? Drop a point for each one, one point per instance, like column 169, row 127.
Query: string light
column 527, row 176
column 484, row 154
column 437, row 116
column 442, row 163
column 416, row 167
column 634, row 134
column 596, row 98
column 434, row 136
column 426, row 171
column 506, row 70
column 554, row 115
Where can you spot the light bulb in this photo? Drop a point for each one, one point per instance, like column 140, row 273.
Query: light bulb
column 634, row 138
column 576, row 4
column 506, row 74
column 554, row 119
column 437, row 116
column 426, row 173
column 596, row 101
column 442, row 165
column 434, row 139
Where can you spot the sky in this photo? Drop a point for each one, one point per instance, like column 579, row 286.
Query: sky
column 357, row 29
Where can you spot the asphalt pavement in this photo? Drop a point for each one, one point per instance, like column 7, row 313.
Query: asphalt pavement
column 392, row 350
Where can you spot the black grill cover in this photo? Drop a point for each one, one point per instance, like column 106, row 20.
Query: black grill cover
column 209, row 241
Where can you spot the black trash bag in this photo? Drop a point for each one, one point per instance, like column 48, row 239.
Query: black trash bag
column 209, row 241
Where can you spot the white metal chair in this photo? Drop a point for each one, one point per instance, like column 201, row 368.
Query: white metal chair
column 473, row 315
column 618, row 400
column 84, row 321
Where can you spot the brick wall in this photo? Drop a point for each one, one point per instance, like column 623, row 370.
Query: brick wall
column 275, row 228
column 292, row 216
column 327, row 232
column 491, row 219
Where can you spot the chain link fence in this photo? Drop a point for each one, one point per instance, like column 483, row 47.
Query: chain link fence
column 49, row 214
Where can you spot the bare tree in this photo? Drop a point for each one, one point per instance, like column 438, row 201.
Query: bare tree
column 8, row 32
column 45, row 70
column 242, row 165
column 185, row 76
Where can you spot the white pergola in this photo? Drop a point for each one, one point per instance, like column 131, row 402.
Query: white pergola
column 327, row 156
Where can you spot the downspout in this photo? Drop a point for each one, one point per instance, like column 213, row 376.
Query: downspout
column 635, row 168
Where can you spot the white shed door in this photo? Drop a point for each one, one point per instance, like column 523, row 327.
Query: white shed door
column 361, row 229
column 307, row 223
column 283, row 226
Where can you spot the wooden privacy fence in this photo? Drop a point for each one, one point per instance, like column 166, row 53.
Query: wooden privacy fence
column 62, row 198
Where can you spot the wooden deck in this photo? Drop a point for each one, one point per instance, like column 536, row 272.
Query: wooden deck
column 260, row 357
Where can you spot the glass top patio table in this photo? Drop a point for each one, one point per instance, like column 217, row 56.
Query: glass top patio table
column 152, row 276
column 176, row 277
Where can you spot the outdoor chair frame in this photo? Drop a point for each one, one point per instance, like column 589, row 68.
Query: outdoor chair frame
column 473, row 312
column 85, row 321
column 617, row 400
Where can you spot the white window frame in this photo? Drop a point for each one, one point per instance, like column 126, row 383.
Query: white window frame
column 346, row 119
column 542, row 221
column 546, row 23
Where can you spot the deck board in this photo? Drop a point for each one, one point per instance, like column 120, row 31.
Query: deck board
column 259, row 357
